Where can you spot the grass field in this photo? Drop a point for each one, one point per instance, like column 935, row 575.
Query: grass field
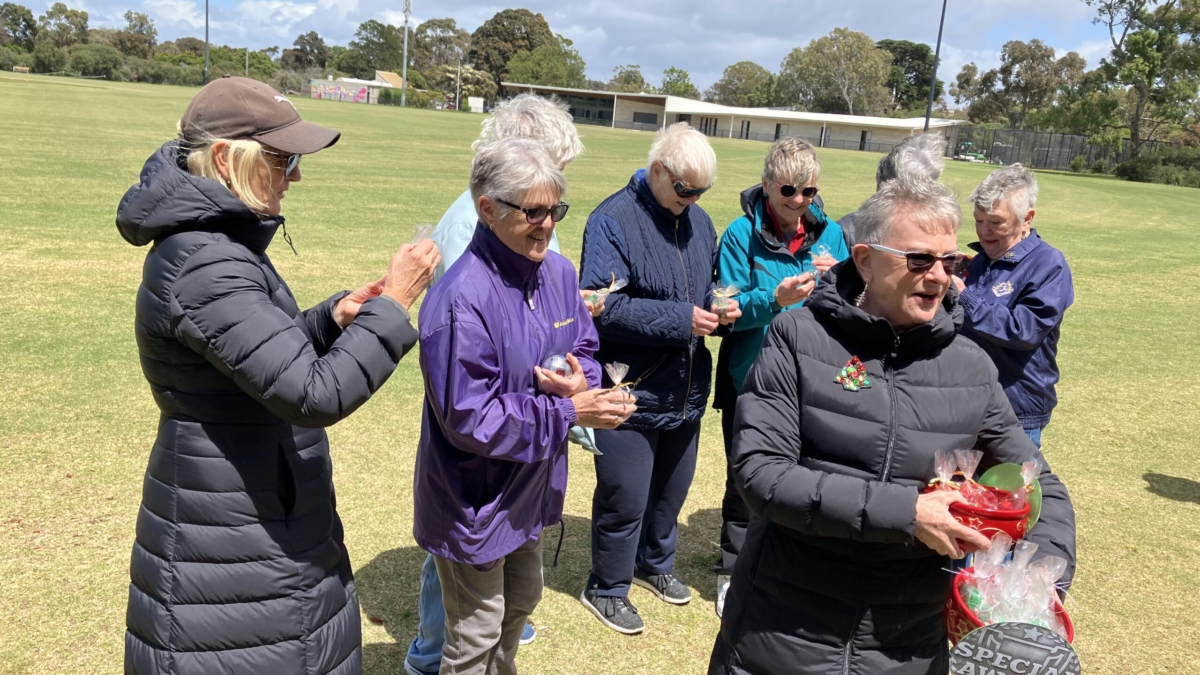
column 77, row 420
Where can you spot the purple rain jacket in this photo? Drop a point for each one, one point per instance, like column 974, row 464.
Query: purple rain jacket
column 492, row 461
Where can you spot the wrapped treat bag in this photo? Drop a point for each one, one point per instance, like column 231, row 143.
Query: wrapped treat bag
column 599, row 294
column 616, row 373
column 558, row 364
column 996, row 591
column 974, row 493
column 721, row 298
column 424, row 231
column 982, row 508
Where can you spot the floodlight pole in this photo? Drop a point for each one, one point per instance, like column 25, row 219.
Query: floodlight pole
column 205, row 41
column 404, row 68
column 937, row 54
column 458, row 88
column 247, row 62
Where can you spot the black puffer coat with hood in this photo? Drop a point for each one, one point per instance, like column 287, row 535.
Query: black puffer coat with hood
column 239, row 565
column 830, row 579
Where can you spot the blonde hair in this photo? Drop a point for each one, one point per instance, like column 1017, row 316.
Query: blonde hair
column 791, row 161
column 682, row 150
column 244, row 157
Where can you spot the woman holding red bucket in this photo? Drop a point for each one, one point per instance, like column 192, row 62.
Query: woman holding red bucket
column 844, row 565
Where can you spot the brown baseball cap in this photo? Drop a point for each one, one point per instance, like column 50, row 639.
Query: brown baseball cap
column 238, row 107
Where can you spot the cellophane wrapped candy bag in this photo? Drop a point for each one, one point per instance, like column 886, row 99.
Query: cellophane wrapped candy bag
column 999, row 590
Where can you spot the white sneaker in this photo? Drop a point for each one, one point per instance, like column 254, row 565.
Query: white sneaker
column 722, row 588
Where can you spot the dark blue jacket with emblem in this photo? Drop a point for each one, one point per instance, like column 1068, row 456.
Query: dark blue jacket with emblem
column 668, row 261
column 1014, row 309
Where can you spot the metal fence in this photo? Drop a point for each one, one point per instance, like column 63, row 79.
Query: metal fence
column 1041, row 149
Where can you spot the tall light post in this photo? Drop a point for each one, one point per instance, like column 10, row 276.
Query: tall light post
column 458, row 88
column 205, row 41
column 404, row 68
column 937, row 54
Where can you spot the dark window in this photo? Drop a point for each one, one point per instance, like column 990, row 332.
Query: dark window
column 645, row 118
column 684, row 118
column 864, row 140
column 746, row 129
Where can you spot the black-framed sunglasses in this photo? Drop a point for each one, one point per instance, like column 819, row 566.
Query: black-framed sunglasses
column 920, row 262
column 292, row 161
column 790, row 191
column 537, row 214
column 684, row 191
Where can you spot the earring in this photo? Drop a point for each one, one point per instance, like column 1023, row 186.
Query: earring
column 862, row 297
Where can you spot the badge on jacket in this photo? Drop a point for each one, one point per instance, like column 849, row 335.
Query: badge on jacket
column 854, row 376
column 1002, row 289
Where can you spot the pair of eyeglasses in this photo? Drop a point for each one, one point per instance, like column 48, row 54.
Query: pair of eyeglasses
column 538, row 214
column 790, row 191
column 920, row 262
column 684, row 191
column 290, row 161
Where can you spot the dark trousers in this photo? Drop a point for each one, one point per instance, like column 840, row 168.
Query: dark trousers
column 642, row 480
column 735, row 515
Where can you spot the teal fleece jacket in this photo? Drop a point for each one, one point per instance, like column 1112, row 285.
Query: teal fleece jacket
column 755, row 261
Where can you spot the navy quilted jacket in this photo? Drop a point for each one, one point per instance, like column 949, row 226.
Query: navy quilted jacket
column 668, row 262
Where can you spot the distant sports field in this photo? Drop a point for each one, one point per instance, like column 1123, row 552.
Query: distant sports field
column 77, row 421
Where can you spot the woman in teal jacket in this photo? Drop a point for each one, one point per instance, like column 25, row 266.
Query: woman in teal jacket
column 775, row 255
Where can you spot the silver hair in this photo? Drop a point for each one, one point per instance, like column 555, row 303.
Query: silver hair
column 929, row 202
column 509, row 168
column 920, row 157
column 1013, row 183
column 531, row 116
column 791, row 161
column 684, row 150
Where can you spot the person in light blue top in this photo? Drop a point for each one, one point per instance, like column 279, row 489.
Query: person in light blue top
column 775, row 255
column 525, row 116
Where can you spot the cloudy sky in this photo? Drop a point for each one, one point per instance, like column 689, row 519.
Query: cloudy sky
column 701, row 36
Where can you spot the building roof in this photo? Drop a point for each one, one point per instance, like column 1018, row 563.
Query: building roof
column 389, row 77
column 687, row 106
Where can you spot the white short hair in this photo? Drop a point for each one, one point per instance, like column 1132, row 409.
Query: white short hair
column 791, row 161
column 684, row 150
column 920, row 157
column 1013, row 183
column 530, row 116
column 509, row 168
column 929, row 202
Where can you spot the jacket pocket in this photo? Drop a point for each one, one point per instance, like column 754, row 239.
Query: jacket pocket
column 287, row 483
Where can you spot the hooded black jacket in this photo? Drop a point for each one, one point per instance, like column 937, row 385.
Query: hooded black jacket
column 831, row 579
column 239, row 565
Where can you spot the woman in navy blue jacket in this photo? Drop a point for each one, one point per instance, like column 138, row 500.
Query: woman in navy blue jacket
column 1015, row 295
column 652, row 234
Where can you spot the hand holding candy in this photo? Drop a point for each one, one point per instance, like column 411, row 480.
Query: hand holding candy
column 794, row 289
column 598, row 296
column 594, row 302
column 554, row 381
column 822, row 260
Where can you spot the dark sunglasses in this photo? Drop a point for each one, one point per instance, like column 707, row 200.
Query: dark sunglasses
column 919, row 262
column 292, row 161
column 684, row 191
column 790, row 191
column 537, row 214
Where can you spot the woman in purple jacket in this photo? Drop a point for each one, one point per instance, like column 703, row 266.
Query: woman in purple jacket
column 492, row 464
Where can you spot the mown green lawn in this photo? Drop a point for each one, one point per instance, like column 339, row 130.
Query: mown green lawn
column 77, row 421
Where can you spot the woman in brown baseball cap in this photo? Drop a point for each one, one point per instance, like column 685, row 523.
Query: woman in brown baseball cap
column 239, row 564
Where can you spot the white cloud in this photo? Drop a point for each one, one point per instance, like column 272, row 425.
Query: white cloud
column 183, row 12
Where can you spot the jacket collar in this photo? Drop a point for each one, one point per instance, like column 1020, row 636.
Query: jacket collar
column 511, row 266
column 660, row 215
column 168, row 199
column 833, row 303
column 1017, row 253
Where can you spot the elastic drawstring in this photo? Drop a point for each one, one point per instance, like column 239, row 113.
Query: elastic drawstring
column 562, row 534
column 288, row 239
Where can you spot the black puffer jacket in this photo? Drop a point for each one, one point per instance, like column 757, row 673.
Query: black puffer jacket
column 239, row 565
column 831, row 579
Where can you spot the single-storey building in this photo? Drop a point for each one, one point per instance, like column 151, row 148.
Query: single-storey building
column 650, row 112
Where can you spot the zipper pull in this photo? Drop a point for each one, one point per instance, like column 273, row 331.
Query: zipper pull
column 288, row 238
column 529, row 296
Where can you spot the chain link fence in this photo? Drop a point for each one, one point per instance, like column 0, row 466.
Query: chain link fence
column 1042, row 149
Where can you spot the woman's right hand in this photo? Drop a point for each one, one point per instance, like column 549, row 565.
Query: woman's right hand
column 938, row 530
column 410, row 271
column 794, row 289
column 603, row 408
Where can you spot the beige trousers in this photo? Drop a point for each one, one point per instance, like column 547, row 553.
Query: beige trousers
column 486, row 610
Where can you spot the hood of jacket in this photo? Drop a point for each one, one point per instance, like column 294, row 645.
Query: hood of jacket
column 833, row 303
column 167, row 200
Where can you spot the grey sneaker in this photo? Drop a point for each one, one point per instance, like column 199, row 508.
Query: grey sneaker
column 617, row 613
column 668, row 587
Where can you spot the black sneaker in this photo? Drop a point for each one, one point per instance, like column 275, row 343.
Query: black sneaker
column 617, row 613
column 668, row 587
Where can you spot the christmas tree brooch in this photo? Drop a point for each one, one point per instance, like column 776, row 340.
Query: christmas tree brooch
column 854, row 376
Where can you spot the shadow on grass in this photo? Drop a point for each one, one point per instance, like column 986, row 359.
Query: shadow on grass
column 1178, row 489
column 389, row 585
